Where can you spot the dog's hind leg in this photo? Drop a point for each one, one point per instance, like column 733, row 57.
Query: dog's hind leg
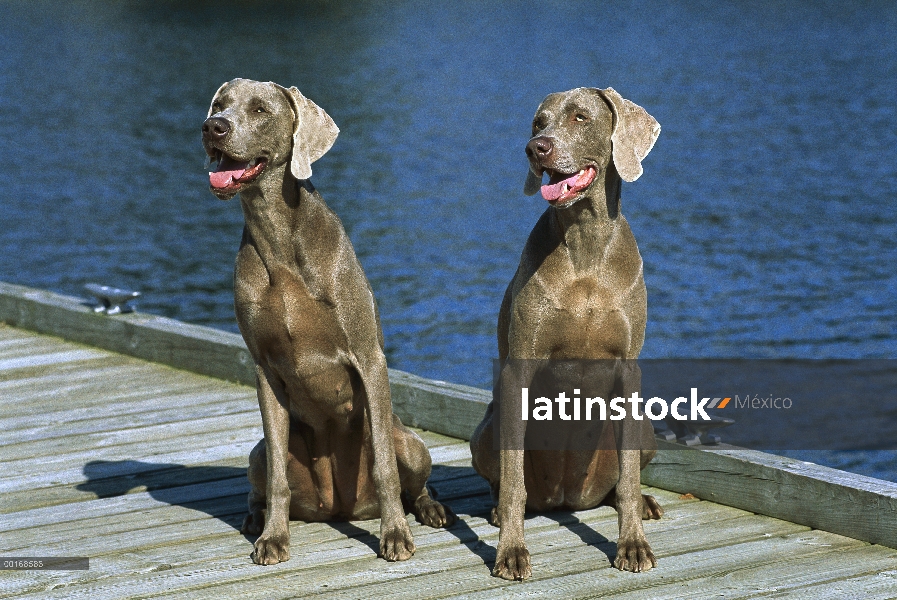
column 254, row 522
column 651, row 508
column 414, row 464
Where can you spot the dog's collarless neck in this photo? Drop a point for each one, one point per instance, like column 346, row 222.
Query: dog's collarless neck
column 585, row 230
column 589, row 213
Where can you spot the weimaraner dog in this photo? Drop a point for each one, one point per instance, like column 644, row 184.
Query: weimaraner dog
column 578, row 293
column 333, row 449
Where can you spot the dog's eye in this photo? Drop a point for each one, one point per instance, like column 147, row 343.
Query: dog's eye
column 260, row 109
column 581, row 118
column 216, row 107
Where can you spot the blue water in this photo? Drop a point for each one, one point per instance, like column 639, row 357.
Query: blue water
column 766, row 215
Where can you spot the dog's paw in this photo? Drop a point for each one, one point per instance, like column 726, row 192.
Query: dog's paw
column 270, row 550
column 432, row 513
column 396, row 543
column 651, row 508
column 512, row 562
column 634, row 555
column 254, row 523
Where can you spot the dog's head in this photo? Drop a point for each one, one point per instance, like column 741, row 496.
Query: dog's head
column 253, row 127
column 575, row 136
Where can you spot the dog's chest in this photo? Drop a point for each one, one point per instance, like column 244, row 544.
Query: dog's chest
column 570, row 316
column 579, row 294
column 588, row 321
column 298, row 337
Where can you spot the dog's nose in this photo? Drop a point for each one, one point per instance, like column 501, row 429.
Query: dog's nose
column 539, row 148
column 215, row 128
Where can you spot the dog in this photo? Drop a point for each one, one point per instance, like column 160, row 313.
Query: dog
column 332, row 447
column 578, row 293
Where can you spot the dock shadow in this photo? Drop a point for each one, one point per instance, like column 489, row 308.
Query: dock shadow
column 220, row 492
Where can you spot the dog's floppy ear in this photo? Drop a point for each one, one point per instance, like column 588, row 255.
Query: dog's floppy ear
column 215, row 95
column 313, row 133
column 532, row 183
column 635, row 132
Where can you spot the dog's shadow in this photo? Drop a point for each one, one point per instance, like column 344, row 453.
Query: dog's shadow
column 476, row 502
column 218, row 491
column 585, row 532
column 453, row 487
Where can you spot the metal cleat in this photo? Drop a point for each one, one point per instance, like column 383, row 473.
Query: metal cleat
column 694, row 433
column 662, row 432
column 112, row 301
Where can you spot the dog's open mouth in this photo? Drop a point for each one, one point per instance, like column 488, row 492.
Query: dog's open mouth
column 561, row 187
column 232, row 174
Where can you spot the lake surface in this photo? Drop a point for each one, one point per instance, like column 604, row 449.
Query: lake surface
column 766, row 216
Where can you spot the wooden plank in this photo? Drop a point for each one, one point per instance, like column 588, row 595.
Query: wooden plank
column 443, row 454
column 110, row 477
column 562, row 575
column 133, row 476
column 130, row 531
column 459, row 568
column 116, row 570
column 447, row 408
column 75, row 386
column 198, row 349
column 168, row 432
column 17, row 342
column 450, row 484
column 90, row 388
column 224, row 559
column 175, row 524
column 853, row 505
column 795, row 574
column 433, row 439
column 70, row 469
column 32, row 344
column 8, row 337
column 877, row 586
column 56, row 531
column 197, row 530
column 129, row 483
column 107, row 507
column 206, row 445
column 35, row 361
column 121, row 415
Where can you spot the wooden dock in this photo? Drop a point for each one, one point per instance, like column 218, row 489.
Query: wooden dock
column 140, row 466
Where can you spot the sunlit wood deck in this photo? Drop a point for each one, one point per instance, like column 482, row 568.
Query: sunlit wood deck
column 141, row 468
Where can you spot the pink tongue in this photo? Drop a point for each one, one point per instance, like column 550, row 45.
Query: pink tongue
column 553, row 191
column 226, row 173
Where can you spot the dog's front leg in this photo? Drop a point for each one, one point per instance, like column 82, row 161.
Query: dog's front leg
column 633, row 551
column 396, row 541
column 512, row 560
column 273, row 545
